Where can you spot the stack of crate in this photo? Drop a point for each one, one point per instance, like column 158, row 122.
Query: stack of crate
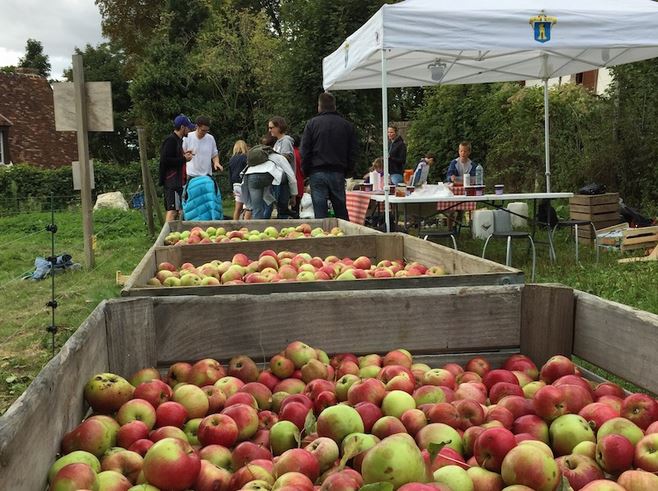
column 601, row 209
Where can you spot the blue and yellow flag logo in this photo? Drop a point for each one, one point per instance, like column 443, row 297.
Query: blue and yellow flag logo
column 542, row 26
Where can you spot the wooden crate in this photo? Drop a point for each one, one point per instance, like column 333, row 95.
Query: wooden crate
column 123, row 335
column 627, row 238
column 463, row 269
column 600, row 209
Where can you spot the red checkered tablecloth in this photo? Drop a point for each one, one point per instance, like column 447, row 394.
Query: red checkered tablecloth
column 357, row 206
column 451, row 206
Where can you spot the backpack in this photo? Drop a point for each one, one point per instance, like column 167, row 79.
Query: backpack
column 592, row 188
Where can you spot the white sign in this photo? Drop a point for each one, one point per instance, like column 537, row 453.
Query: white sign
column 76, row 174
column 99, row 106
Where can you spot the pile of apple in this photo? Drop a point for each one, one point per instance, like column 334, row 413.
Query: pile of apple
column 374, row 422
column 272, row 267
column 210, row 235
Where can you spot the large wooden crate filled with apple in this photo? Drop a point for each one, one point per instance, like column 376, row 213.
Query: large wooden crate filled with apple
column 416, row 368
column 315, row 265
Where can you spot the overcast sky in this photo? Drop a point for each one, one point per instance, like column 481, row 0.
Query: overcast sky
column 60, row 25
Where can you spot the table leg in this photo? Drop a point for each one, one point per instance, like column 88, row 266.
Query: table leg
column 549, row 233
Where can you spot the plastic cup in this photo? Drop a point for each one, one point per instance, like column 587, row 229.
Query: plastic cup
column 499, row 188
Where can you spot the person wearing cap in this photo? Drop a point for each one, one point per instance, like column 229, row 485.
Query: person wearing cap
column 172, row 165
column 202, row 145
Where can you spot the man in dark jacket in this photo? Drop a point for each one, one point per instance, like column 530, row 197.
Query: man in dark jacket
column 329, row 152
column 172, row 165
column 397, row 155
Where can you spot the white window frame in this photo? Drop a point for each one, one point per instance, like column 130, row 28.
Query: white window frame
column 2, row 146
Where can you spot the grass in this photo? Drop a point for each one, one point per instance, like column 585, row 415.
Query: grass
column 122, row 240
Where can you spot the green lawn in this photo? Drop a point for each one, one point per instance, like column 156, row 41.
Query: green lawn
column 121, row 241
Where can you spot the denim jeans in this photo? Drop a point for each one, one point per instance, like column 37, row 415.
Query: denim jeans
column 396, row 179
column 282, row 195
column 259, row 194
column 328, row 186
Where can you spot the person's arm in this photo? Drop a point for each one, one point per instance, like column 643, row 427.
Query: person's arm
column 215, row 157
column 452, row 171
column 169, row 154
column 287, row 150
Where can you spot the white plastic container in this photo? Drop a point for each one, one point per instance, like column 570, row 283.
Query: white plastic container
column 521, row 209
column 482, row 224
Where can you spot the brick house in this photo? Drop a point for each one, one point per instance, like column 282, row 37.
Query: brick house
column 27, row 123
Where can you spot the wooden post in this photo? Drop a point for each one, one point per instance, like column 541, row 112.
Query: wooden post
column 83, row 158
column 141, row 138
column 154, row 197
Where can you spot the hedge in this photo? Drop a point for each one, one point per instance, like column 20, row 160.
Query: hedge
column 28, row 187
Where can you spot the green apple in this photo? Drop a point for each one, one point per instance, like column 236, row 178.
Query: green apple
column 396, row 460
column 455, row 477
column 397, row 402
column 567, row 431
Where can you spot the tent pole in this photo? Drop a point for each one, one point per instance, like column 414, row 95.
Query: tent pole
column 385, row 140
column 547, row 149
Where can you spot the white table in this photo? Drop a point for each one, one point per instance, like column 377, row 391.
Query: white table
column 490, row 199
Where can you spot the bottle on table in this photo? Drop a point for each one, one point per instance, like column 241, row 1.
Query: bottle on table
column 479, row 175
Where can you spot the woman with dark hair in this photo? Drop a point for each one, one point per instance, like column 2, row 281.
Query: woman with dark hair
column 283, row 145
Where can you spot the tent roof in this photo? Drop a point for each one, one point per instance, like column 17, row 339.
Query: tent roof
column 483, row 41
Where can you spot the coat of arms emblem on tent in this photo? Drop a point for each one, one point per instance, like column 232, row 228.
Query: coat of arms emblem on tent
column 541, row 25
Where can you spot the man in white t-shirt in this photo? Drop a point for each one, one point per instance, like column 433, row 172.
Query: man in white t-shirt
column 202, row 145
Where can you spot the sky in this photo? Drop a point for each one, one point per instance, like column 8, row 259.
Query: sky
column 60, row 25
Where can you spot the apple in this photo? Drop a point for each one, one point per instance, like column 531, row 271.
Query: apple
column 252, row 472
column 229, row 385
column 621, row 426
column 603, row 485
column 556, row 367
column 193, row 398
column 533, row 425
column 396, row 460
column 446, row 456
column 455, row 477
column 522, row 363
column 297, row 460
column 300, row 353
column 567, row 431
column 641, row 409
column 387, row 426
column 517, row 405
column 154, row 391
column 336, row 422
column 178, row 373
column 112, row 481
column 75, row 457
column 136, row 410
column 492, row 446
column 212, row 477
column 413, row 420
column 504, row 389
column 576, row 397
column 325, row 450
column 171, row 464
column 614, row 453
column 397, row 402
column 92, row 435
column 167, row 432
column 343, row 385
column 646, row 453
column 610, row 389
column 246, row 452
column 131, row 432
column 216, row 398
column 439, row 433
column 107, row 392
column 126, row 462
column 472, row 390
column 525, row 465
column 246, row 418
column 439, row 376
column 529, row 390
column 296, row 412
column 141, row 446
column 579, row 470
column 368, row 390
column 74, row 476
column 636, row 480
column 585, row 448
column 205, row 372
column 369, row 413
column 549, row 402
column 191, row 430
column 284, row 435
column 501, row 415
column 218, row 429
column 170, row 413
column 478, row 365
column 484, row 480
column 293, row 481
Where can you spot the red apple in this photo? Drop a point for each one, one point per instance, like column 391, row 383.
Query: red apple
column 246, row 452
column 646, row 453
column 218, row 429
column 171, row 464
column 245, row 417
column 614, row 453
column 641, row 409
column 492, row 446
column 557, row 366
column 597, row 413
column 579, row 470
column 212, row 477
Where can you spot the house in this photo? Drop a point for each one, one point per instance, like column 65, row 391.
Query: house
column 597, row 81
column 27, row 123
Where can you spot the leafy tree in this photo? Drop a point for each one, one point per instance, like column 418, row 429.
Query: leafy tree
column 106, row 63
column 35, row 58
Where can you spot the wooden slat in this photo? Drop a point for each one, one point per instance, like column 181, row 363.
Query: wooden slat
column 145, row 270
column 595, row 217
column 597, row 199
column 32, row 428
column 495, row 358
column 130, row 335
column 470, row 319
column 618, row 338
column 603, row 208
column 546, row 321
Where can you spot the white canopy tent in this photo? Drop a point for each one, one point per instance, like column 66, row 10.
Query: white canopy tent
column 427, row 42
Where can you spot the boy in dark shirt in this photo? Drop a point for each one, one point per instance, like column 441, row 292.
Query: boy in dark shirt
column 172, row 165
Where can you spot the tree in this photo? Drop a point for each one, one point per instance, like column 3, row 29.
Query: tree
column 35, row 58
column 107, row 63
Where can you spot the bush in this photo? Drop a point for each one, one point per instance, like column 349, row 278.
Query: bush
column 29, row 187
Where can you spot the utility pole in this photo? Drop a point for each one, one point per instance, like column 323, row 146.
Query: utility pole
column 80, row 97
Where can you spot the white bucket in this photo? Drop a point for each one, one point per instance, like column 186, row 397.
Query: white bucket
column 521, row 209
column 482, row 223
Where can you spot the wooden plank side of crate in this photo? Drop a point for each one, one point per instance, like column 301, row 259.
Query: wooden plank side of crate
column 130, row 335
column 547, row 313
column 604, row 208
column 144, row 271
column 478, row 318
column 620, row 339
column 53, row 404
column 595, row 217
column 180, row 226
column 597, row 199
column 454, row 262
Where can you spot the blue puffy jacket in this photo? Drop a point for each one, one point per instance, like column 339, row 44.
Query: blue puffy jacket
column 202, row 199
